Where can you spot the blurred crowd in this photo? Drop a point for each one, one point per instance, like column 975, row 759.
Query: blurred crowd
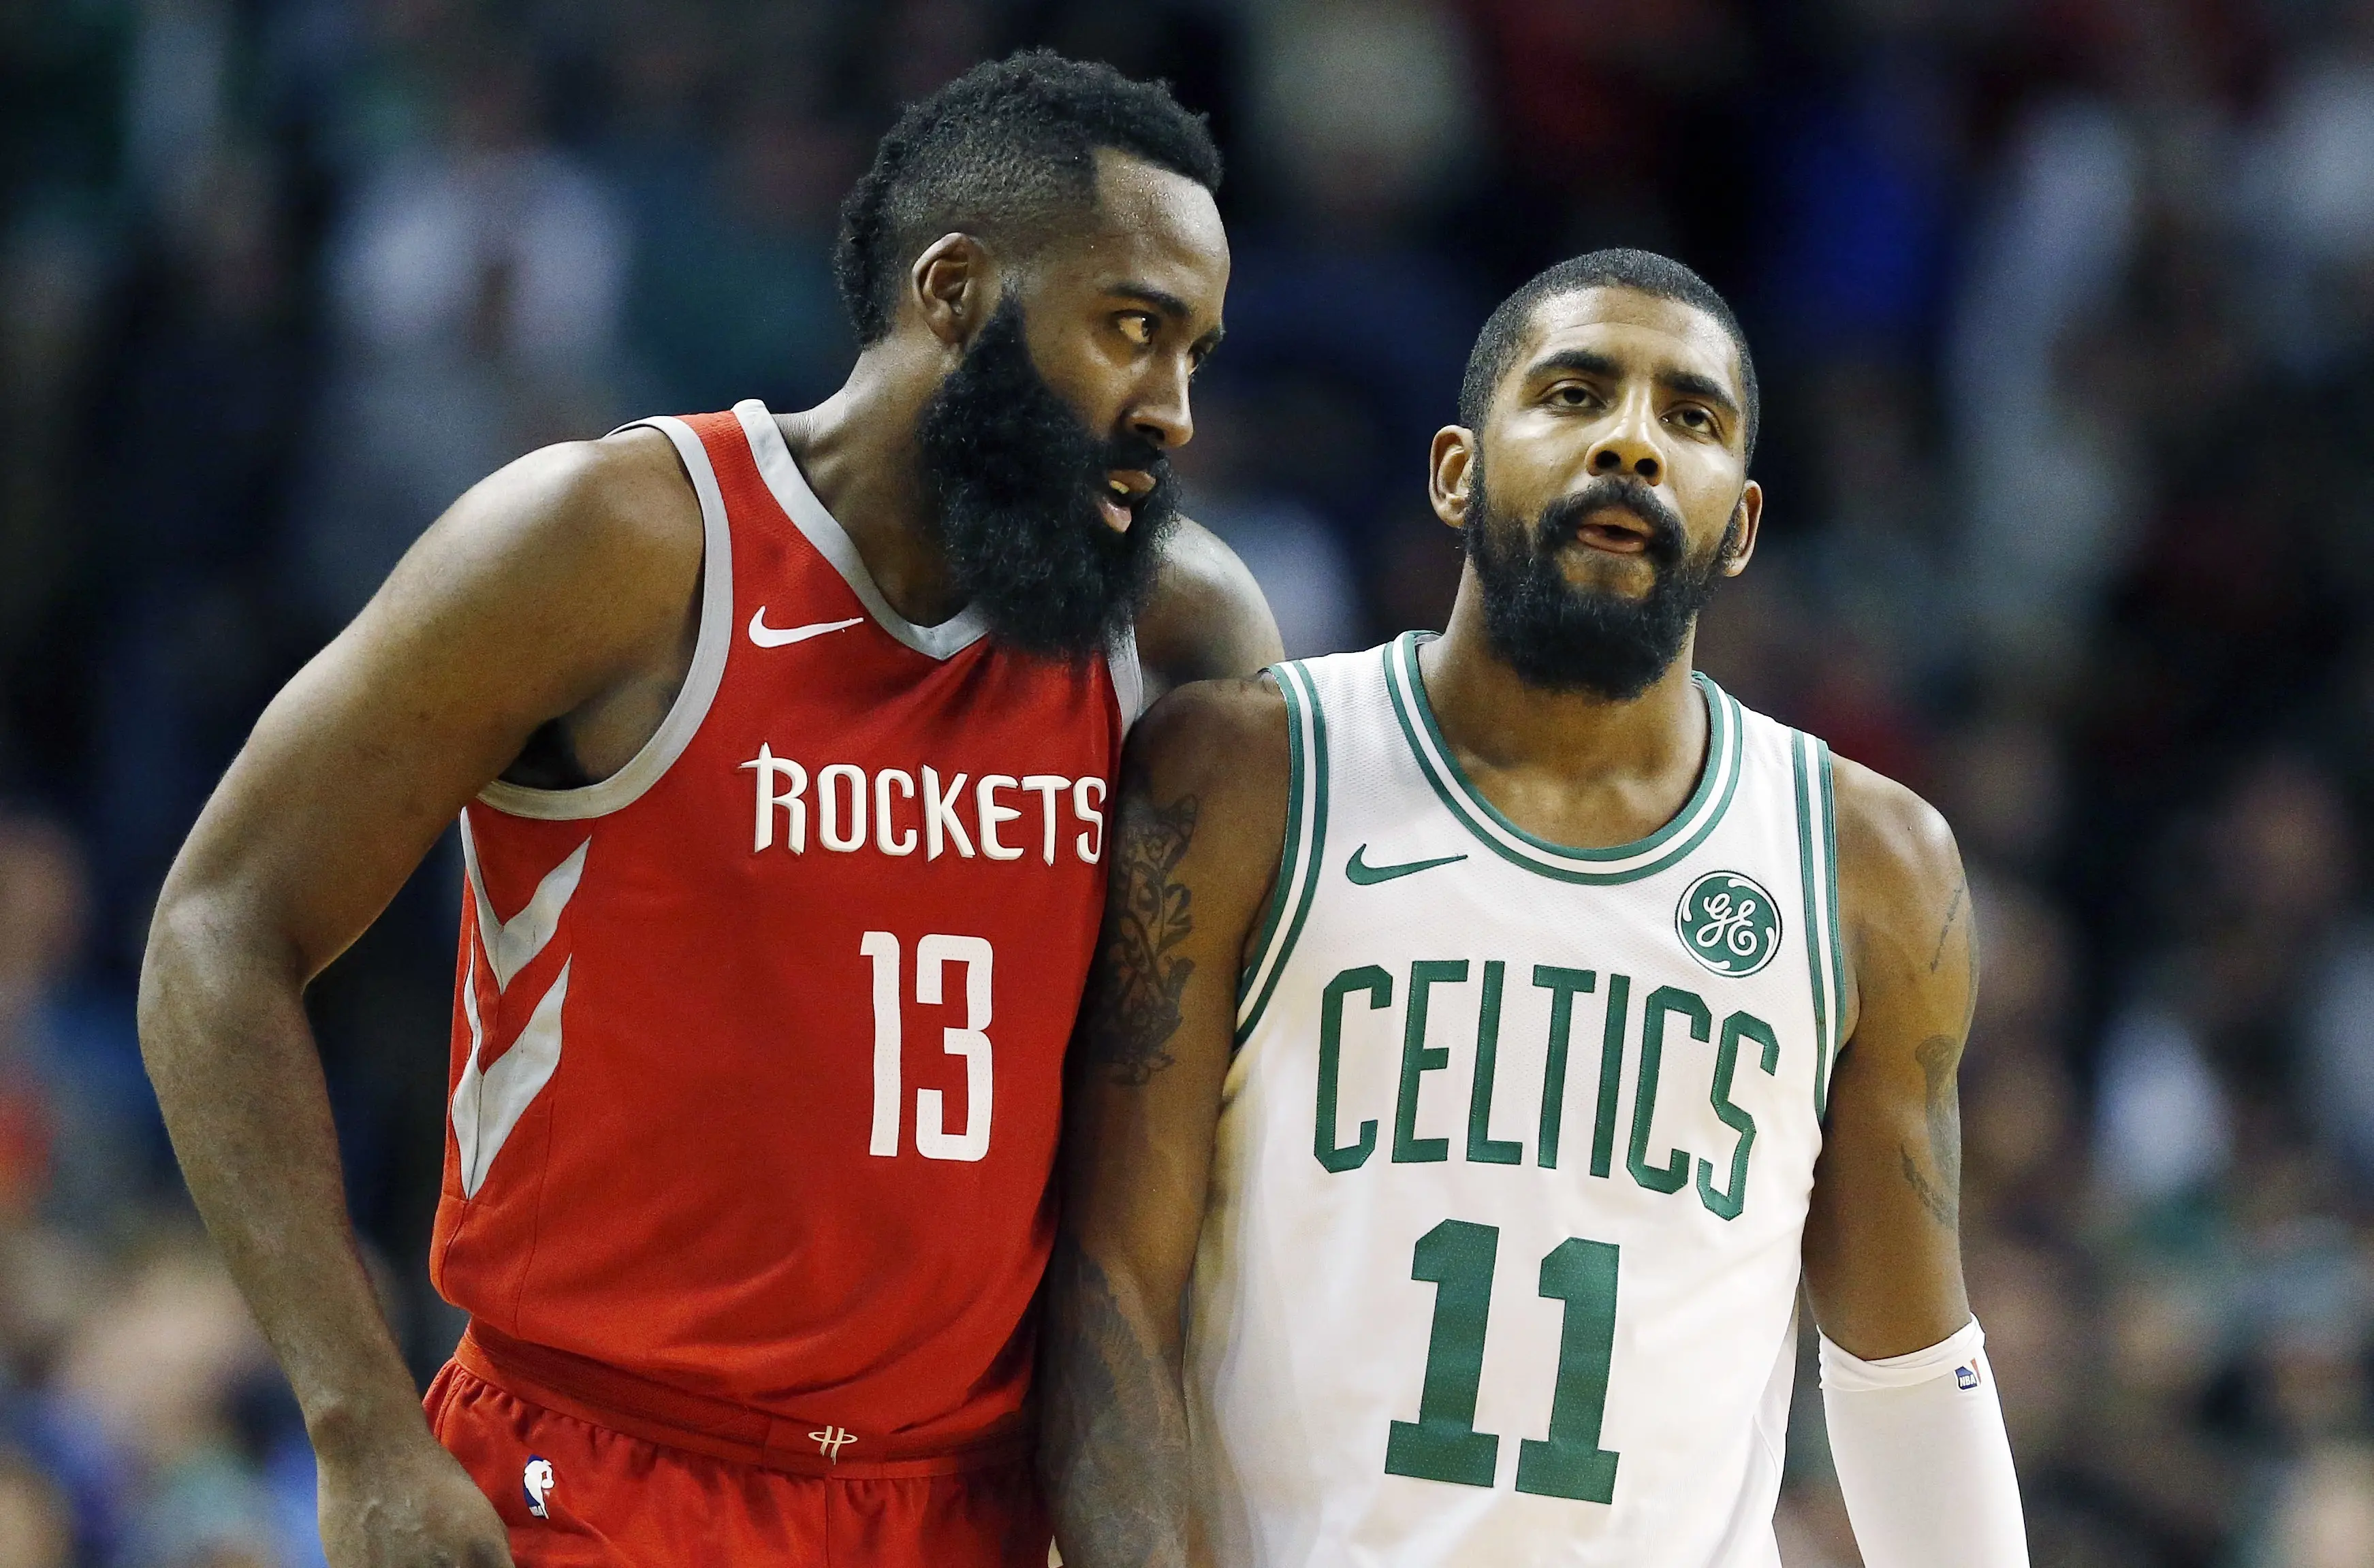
column 2066, row 315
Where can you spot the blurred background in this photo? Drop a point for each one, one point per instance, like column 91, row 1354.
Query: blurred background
column 2066, row 313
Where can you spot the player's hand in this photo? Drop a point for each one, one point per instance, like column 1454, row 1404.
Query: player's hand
column 412, row 1508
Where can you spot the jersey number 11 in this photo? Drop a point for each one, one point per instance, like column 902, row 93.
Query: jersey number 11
column 1458, row 1259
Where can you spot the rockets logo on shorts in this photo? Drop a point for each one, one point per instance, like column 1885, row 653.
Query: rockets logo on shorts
column 537, row 1482
column 831, row 1440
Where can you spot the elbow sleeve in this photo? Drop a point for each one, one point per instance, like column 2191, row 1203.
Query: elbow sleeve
column 1922, row 1457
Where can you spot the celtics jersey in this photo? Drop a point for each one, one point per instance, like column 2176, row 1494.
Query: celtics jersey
column 1513, row 1159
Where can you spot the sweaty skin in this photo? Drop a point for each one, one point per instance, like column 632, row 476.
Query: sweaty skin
column 539, row 631
column 1201, row 822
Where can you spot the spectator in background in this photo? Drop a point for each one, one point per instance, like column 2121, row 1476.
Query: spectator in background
column 732, row 292
column 195, row 439
column 72, row 1113
column 1287, row 547
column 1364, row 118
column 476, row 285
column 35, row 1530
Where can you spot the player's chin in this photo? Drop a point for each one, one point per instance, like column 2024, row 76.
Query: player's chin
column 1586, row 568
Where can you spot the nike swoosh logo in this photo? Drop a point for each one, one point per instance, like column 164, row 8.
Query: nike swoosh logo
column 1363, row 874
column 766, row 636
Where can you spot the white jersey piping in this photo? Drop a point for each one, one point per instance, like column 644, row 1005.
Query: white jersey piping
column 790, row 488
column 1128, row 675
column 628, row 785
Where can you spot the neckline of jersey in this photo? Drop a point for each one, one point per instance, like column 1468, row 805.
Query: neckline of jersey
column 781, row 470
column 1717, row 782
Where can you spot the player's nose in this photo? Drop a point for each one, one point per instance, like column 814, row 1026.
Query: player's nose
column 1628, row 445
column 1162, row 413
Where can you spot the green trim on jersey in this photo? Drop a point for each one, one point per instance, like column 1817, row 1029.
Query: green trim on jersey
column 1816, row 972
column 1817, row 864
column 1299, row 858
column 1718, row 781
column 1830, row 875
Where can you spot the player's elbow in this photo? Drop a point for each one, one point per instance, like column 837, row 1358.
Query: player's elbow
column 206, row 930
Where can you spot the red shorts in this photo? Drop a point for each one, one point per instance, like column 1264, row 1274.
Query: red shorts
column 614, row 1500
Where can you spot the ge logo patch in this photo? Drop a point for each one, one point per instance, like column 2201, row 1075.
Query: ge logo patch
column 1729, row 924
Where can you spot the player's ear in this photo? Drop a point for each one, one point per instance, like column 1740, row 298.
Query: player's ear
column 1739, row 535
column 954, row 287
column 1450, row 472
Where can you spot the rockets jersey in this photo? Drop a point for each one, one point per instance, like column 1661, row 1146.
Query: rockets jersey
column 1501, row 1259
column 757, row 1043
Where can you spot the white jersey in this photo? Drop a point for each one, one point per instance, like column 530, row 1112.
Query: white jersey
column 1501, row 1255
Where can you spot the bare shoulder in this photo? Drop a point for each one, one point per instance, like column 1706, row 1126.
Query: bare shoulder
column 1206, row 618
column 1893, row 845
column 580, row 561
column 622, row 502
column 1903, row 896
column 1224, row 738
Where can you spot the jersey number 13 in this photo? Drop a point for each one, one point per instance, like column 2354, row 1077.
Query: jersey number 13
column 934, row 955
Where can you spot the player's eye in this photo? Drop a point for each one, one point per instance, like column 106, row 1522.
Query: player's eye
column 1695, row 419
column 1570, row 394
column 1138, row 327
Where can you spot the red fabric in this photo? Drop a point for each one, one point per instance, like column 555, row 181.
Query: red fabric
column 616, row 1501
column 691, row 1199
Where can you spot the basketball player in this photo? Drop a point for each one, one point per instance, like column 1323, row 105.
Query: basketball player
column 1486, row 1032
column 781, row 747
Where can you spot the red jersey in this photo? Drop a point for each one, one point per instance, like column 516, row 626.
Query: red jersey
column 757, row 1043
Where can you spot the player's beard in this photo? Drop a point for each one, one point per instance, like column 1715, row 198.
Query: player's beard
column 1016, row 475
column 1567, row 637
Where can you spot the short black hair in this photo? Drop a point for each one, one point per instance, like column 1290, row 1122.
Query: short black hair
column 1504, row 334
column 1005, row 152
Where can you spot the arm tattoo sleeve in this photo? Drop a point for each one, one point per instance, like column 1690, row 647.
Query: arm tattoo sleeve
column 1938, row 1056
column 1113, row 1444
column 1132, row 1007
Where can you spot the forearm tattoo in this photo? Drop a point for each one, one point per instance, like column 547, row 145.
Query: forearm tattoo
column 1112, row 1449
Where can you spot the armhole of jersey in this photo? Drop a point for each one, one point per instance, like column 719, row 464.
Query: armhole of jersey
column 1128, row 675
column 1303, row 850
column 1830, row 887
column 1817, row 866
column 628, row 785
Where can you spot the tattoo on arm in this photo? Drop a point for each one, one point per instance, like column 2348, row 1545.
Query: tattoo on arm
column 1939, row 1055
column 1112, row 1446
column 1132, row 1008
column 1953, row 914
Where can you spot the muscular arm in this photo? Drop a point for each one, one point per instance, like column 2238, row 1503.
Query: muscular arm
column 1207, row 620
column 1916, row 1429
column 1883, row 1243
column 1202, row 811
column 552, row 586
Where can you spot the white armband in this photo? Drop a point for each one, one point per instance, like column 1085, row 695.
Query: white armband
column 1922, row 1457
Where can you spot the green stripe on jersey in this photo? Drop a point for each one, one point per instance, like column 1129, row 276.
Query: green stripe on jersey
column 1305, row 847
column 1809, row 880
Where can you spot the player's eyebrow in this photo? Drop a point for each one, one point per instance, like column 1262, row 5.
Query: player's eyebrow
column 1582, row 361
column 1169, row 305
column 1690, row 383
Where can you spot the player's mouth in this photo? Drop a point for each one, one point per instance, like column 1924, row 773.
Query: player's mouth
column 1615, row 530
column 1118, row 497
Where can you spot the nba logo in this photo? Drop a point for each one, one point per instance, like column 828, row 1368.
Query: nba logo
column 536, row 1483
column 1967, row 1377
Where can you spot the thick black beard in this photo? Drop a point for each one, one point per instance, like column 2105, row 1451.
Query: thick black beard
column 1561, row 637
column 1016, row 475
